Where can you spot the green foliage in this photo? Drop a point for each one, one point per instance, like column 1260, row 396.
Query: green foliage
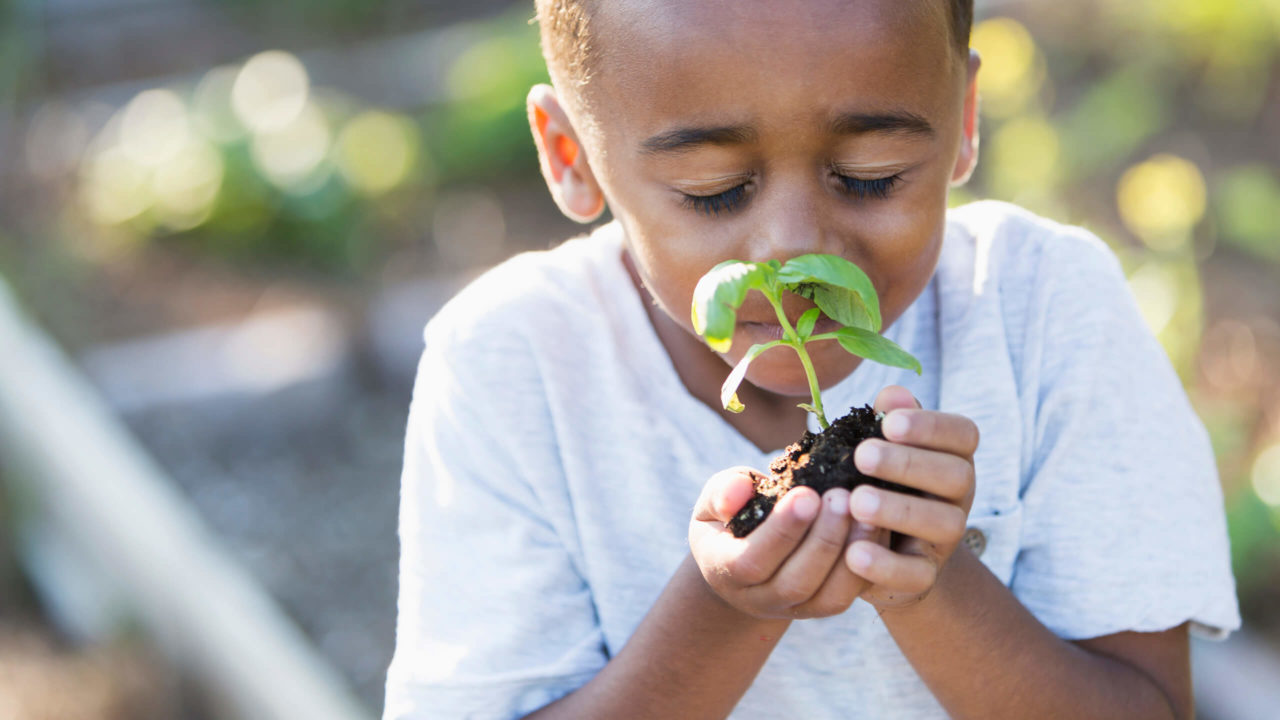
column 719, row 293
column 867, row 344
column 839, row 288
column 1248, row 209
column 1254, row 532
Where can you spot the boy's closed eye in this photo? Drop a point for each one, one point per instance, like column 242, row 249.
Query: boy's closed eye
column 715, row 202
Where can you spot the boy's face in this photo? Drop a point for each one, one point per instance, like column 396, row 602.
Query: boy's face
column 727, row 129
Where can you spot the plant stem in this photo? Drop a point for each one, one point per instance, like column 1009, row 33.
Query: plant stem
column 789, row 337
column 813, row 385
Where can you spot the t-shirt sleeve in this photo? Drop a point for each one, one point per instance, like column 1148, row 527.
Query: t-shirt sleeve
column 494, row 618
column 1124, row 527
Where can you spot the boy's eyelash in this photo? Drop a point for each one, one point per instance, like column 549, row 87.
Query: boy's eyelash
column 730, row 199
column 727, row 201
column 875, row 187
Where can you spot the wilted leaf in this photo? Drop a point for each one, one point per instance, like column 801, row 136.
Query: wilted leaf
column 729, row 391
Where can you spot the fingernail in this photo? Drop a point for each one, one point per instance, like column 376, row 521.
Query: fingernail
column 805, row 506
column 837, row 502
column 896, row 425
column 865, row 503
column 867, row 456
column 859, row 557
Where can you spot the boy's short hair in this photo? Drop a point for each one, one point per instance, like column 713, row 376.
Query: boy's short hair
column 567, row 42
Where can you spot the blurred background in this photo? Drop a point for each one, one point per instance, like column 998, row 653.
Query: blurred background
column 233, row 218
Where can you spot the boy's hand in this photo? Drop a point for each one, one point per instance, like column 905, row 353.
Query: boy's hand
column 791, row 565
column 932, row 452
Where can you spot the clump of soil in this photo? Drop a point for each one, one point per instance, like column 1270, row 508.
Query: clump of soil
column 821, row 461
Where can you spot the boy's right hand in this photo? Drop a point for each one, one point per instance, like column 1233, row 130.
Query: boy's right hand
column 791, row 566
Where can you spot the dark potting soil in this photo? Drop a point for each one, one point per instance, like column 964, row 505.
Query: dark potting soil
column 821, row 461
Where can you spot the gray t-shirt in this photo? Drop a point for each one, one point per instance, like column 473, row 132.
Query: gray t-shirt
column 553, row 457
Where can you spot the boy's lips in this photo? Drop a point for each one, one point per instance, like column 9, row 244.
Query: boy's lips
column 763, row 332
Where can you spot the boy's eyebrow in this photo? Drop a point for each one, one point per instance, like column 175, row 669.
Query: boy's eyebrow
column 685, row 139
column 898, row 122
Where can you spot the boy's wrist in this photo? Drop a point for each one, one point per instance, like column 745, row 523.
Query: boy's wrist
column 712, row 602
column 952, row 576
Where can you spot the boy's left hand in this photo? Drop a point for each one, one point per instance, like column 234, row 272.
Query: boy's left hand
column 932, row 452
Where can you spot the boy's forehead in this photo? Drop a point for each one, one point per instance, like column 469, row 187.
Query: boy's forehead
column 690, row 18
column 675, row 57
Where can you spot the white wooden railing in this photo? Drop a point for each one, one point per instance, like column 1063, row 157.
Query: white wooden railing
column 94, row 500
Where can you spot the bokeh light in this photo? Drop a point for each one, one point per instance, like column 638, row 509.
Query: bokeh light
column 211, row 109
column 186, row 186
column 1024, row 155
column 115, row 187
column 154, row 127
column 1266, row 475
column 271, row 91
column 376, row 151
column 1161, row 199
column 1231, row 359
column 1012, row 70
column 482, row 70
column 290, row 156
column 1155, row 287
column 1169, row 297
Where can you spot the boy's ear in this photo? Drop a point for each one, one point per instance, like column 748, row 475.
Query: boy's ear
column 967, row 159
column 564, row 165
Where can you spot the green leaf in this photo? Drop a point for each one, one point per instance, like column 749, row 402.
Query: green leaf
column 729, row 391
column 845, row 306
column 846, row 291
column 879, row 348
column 718, row 295
column 808, row 408
column 804, row 326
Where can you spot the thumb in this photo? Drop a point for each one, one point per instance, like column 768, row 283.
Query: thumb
column 725, row 494
column 895, row 397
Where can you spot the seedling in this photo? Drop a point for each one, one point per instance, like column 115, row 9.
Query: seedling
column 839, row 288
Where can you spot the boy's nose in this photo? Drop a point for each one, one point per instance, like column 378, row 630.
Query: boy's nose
column 792, row 224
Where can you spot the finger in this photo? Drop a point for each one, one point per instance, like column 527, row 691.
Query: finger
column 806, row 569
column 724, row 495
column 937, row 473
column 945, row 432
column 893, row 397
column 896, row 572
column 867, row 531
column 933, row 521
column 777, row 537
column 841, row 587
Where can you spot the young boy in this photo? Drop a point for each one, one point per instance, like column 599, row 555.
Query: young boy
column 565, row 420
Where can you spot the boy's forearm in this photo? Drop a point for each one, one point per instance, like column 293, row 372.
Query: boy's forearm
column 693, row 656
column 984, row 655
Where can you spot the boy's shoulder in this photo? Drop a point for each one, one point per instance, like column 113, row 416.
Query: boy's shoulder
column 530, row 293
column 1001, row 236
column 999, row 254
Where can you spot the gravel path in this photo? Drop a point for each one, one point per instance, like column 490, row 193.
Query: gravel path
column 303, row 487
